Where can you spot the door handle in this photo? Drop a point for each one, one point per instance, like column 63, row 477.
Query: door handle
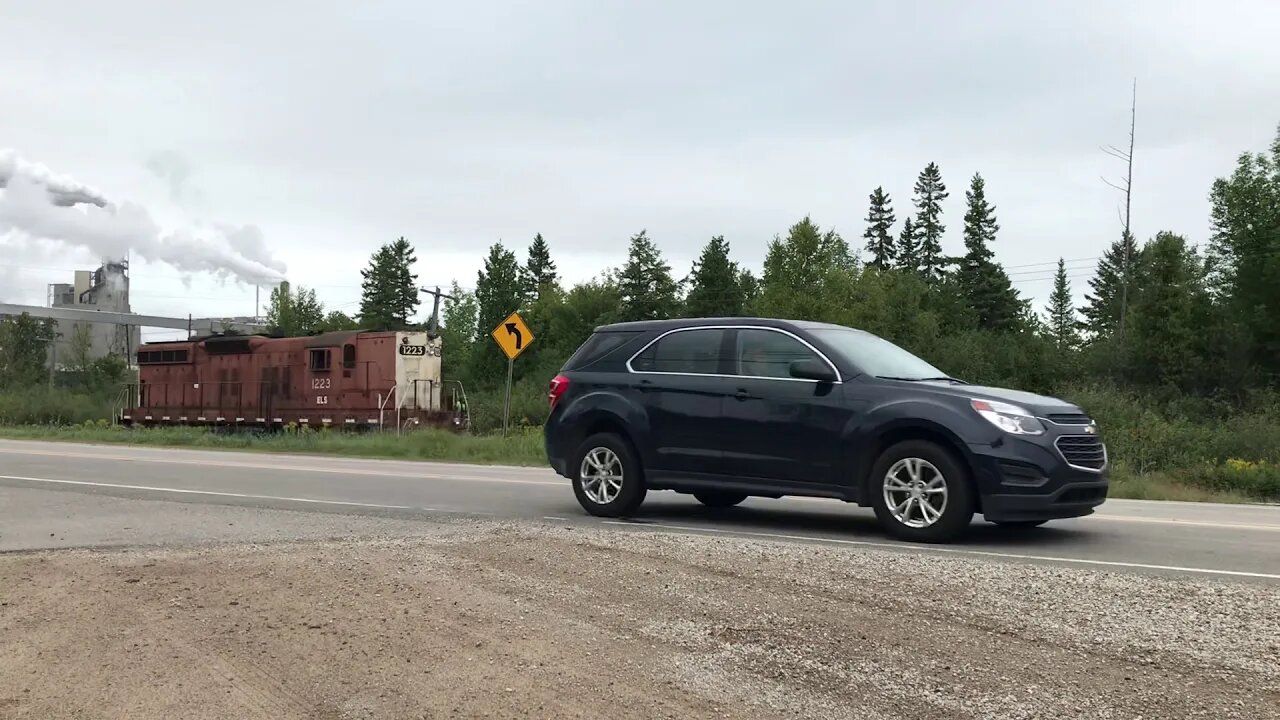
column 742, row 394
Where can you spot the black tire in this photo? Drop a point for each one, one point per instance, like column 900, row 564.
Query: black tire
column 629, row 497
column 1020, row 524
column 959, row 506
column 719, row 499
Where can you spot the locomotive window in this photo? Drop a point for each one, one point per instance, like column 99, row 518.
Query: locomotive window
column 320, row 359
column 348, row 356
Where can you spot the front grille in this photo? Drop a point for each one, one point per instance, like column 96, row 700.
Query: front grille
column 1069, row 419
column 1085, row 451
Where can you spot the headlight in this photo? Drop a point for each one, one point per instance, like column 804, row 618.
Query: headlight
column 1010, row 418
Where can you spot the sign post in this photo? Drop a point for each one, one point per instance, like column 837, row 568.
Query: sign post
column 512, row 336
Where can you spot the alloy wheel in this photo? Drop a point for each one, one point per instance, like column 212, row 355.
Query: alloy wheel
column 601, row 475
column 915, row 492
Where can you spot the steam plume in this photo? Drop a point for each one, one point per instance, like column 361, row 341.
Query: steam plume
column 42, row 205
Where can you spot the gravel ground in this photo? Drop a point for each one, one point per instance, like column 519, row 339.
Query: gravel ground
column 521, row 620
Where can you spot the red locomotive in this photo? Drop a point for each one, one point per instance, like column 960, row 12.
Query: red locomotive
column 339, row 379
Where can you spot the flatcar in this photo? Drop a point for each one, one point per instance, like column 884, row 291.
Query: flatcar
column 354, row 379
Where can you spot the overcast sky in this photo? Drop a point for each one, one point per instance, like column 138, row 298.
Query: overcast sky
column 335, row 127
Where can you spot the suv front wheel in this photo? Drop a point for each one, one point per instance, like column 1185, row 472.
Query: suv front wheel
column 607, row 478
column 920, row 493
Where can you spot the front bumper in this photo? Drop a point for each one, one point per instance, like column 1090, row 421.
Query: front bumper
column 1021, row 480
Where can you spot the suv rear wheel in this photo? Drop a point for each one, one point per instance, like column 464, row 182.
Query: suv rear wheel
column 607, row 478
column 920, row 493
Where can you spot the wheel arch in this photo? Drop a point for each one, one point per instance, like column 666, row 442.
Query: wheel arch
column 901, row 431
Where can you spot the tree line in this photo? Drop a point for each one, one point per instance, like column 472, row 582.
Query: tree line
column 1162, row 314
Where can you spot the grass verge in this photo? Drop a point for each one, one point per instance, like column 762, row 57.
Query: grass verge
column 523, row 448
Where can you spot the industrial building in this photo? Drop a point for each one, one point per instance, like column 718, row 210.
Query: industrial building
column 105, row 290
column 93, row 318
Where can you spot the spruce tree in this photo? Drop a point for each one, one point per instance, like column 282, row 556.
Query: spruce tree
column 715, row 283
column 983, row 283
column 389, row 290
column 908, row 251
column 1063, row 326
column 500, row 289
column 1104, row 305
column 539, row 269
column 648, row 290
column 879, row 232
column 930, row 192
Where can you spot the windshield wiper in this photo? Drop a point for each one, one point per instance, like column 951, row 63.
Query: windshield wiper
column 923, row 379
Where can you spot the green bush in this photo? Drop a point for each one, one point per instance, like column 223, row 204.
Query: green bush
column 42, row 405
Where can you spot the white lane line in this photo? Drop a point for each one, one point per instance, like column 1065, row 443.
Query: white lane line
column 1176, row 521
column 205, row 492
column 293, row 468
column 553, row 517
column 114, row 451
column 933, row 548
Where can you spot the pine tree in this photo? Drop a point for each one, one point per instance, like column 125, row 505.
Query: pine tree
column 715, row 283
column 983, row 283
column 908, row 251
column 879, row 232
column 1104, row 305
column 390, row 291
column 1062, row 313
column 648, row 290
column 500, row 288
column 539, row 270
column 930, row 192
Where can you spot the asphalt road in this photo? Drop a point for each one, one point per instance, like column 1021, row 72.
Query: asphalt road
column 1199, row 539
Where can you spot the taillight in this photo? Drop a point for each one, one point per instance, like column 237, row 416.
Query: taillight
column 559, row 385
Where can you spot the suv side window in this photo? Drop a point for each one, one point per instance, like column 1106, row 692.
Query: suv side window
column 769, row 354
column 684, row 351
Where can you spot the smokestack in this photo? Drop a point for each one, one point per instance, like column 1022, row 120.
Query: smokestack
column 42, row 205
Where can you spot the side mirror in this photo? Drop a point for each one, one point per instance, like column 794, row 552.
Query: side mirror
column 812, row 370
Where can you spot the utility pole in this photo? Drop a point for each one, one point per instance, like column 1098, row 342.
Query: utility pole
column 433, row 325
column 1127, row 189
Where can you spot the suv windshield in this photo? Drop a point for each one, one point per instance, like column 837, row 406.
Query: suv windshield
column 877, row 356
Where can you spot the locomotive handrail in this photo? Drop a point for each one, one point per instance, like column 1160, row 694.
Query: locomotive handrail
column 382, row 404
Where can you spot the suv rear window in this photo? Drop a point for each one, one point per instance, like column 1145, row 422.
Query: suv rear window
column 596, row 348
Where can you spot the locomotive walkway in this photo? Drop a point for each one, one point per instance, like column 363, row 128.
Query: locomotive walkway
column 1165, row 538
